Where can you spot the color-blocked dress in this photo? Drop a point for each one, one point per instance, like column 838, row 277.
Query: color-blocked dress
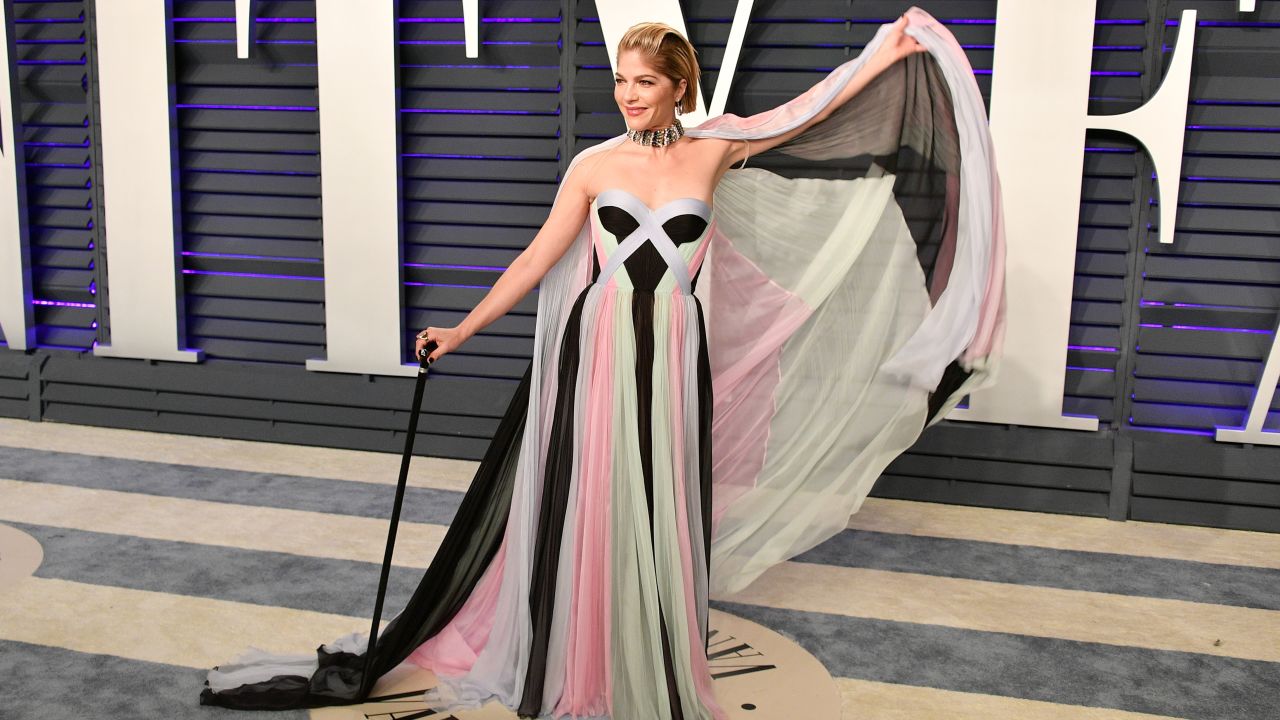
column 618, row 582
column 849, row 291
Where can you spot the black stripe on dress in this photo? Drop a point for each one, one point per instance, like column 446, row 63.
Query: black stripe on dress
column 557, row 477
column 642, row 321
column 705, row 408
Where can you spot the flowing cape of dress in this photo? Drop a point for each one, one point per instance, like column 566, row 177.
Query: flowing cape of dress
column 854, row 293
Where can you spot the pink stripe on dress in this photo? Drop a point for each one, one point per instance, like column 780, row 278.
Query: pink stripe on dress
column 453, row 650
column 744, row 383
column 675, row 360
column 588, row 673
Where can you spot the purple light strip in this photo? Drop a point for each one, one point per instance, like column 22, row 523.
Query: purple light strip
column 483, row 268
column 216, row 106
column 220, row 171
column 82, row 144
column 77, row 41
column 239, row 256
column 1235, row 128
column 1226, row 23
column 82, row 166
column 1258, row 103
column 265, row 276
column 49, row 21
column 1214, row 307
column 479, row 67
column 233, row 42
column 302, row 20
column 449, row 285
column 1175, row 431
column 463, row 42
column 1093, row 348
column 1216, row 329
column 474, row 112
column 1206, row 328
column 458, row 20
column 456, row 156
column 1243, row 181
column 1158, row 303
column 63, row 303
column 1090, row 369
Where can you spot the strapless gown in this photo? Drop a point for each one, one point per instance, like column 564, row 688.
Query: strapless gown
column 573, row 580
column 618, row 594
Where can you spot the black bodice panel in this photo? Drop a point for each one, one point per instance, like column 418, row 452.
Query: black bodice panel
column 646, row 265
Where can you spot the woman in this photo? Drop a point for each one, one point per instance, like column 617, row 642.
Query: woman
column 723, row 363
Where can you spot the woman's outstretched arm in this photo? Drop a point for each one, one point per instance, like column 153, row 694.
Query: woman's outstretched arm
column 552, row 241
column 896, row 46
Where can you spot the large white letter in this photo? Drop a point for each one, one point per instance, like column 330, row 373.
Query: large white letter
column 246, row 23
column 1039, row 115
column 139, row 180
column 360, row 187
column 1252, row 431
column 616, row 17
column 15, row 267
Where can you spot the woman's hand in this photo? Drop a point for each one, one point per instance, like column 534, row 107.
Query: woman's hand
column 447, row 340
column 896, row 46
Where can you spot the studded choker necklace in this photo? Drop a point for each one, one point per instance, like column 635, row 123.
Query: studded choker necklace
column 659, row 137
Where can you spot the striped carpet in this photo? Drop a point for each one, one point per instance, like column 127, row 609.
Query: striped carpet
column 164, row 555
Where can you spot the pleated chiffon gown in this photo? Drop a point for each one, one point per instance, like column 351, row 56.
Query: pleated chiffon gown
column 618, row 588
column 712, row 391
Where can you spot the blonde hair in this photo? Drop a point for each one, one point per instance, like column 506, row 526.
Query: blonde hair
column 669, row 52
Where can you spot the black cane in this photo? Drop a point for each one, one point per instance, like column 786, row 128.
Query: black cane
column 424, row 355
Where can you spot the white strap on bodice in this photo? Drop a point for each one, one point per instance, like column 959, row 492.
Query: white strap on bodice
column 650, row 228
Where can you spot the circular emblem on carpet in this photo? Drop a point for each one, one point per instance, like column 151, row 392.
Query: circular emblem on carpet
column 757, row 673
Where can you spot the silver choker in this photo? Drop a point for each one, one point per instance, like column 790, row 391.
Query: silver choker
column 659, row 137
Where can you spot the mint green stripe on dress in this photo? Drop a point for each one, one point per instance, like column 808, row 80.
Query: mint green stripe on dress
column 639, row 683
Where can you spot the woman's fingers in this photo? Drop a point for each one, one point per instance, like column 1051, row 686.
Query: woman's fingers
column 435, row 355
column 446, row 340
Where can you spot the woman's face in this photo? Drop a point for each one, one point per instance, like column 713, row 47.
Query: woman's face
column 645, row 98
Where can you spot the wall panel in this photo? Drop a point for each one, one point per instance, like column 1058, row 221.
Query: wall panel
column 1166, row 340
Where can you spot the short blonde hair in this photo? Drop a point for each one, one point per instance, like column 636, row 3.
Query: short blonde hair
column 669, row 52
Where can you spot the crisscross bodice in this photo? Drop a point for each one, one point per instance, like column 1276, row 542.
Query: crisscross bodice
column 671, row 235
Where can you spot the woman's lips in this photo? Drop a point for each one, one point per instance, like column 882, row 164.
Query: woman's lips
column 635, row 111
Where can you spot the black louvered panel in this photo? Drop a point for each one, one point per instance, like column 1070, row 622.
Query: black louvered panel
column 1216, row 484
column 262, row 402
column 53, row 59
column 1209, row 300
column 1020, row 468
column 481, row 163
column 1098, row 311
column 15, row 386
column 249, row 153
